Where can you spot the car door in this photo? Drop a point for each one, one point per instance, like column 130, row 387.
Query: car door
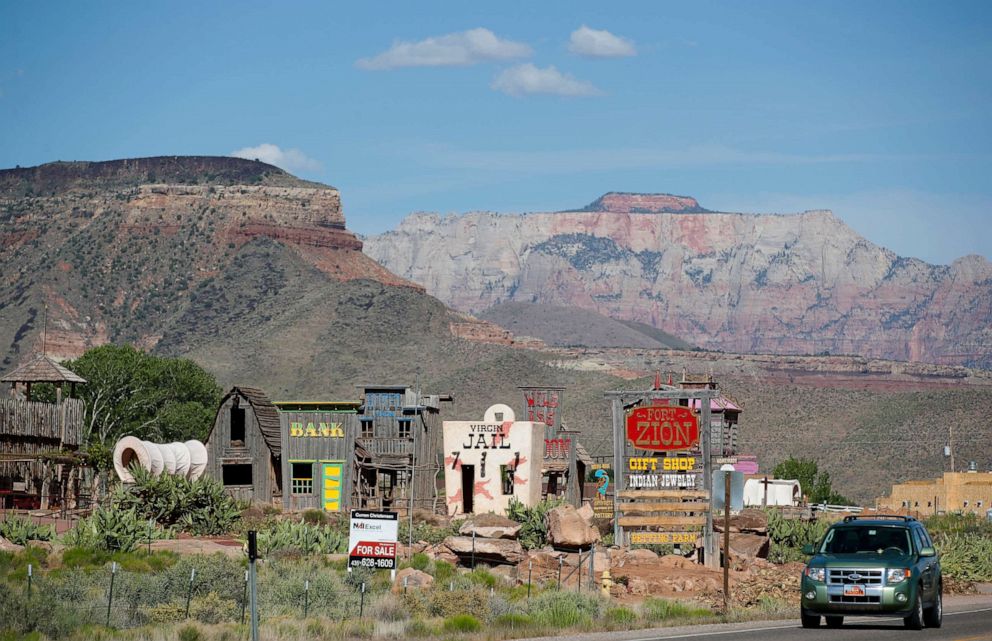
column 924, row 565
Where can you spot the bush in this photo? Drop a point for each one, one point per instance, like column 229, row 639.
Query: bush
column 420, row 561
column 621, row 616
column 564, row 609
column 189, row 633
column 965, row 556
column 513, row 620
column 656, row 610
column 21, row 531
column 534, row 525
column 200, row 507
column 301, row 536
column 439, row 602
column 111, row 530
column 462, row 623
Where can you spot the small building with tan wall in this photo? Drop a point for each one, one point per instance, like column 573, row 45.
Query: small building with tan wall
column 489, row 462
column 955, row 492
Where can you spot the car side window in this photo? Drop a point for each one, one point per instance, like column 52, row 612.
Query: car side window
column 918, row 539
column 926, row 538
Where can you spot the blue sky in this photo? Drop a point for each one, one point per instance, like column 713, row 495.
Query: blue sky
column 880, row 110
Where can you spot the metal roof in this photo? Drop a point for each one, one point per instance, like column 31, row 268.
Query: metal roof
column 43, row 369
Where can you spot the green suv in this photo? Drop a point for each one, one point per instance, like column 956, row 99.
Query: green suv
column 875, row 566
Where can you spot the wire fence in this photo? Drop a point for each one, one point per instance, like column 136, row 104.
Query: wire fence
column 214, row 589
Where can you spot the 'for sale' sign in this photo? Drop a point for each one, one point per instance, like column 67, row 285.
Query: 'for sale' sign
column 372, row 541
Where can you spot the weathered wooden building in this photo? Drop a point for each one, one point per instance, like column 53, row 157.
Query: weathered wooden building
column 320, row 462
column 398, row 448
column 38, row 441
column 244, row 448
column 378, row 452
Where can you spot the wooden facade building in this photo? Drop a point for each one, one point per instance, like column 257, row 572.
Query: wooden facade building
column 378, row 452
column 244, row 448
column 320, row 462
column 399, row 443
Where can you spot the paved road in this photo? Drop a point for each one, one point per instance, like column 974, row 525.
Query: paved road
column 967, row 625
column 965, row 619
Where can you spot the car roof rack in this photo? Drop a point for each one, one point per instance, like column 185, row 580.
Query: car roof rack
column 872, row 517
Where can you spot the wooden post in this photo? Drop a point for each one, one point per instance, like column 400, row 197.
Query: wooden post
column 726, row 542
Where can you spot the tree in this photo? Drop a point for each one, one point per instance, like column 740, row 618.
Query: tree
column 816, row 485
column 133, row 393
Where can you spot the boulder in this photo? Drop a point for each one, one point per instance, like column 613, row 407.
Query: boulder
column 748, row 546
column 412, row 579
column 750, row 520
column 567, row 527
column 490, row 526
column 624, row 557
column 486, row 550
column 7, row 546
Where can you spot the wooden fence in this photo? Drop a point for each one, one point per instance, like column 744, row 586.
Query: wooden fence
column 22, row 422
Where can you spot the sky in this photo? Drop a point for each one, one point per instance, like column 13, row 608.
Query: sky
column 879, row 111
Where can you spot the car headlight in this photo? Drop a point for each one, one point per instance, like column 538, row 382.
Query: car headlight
column 897, row 575
column 817, row 574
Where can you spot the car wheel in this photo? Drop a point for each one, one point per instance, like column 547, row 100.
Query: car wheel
column 934, row 615
column 835, row 622
column 810, row 620
column 915, row 620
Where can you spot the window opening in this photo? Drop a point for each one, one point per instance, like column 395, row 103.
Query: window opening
column 237, row 425
column 302, row 478
column 368, row 428
column 236, row 474
column 506, row 478
column 405, row 428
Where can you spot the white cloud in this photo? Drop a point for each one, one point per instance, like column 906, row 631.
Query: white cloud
column 288, row 159
column 452, row 50
column 527, row 79
column 594, row 43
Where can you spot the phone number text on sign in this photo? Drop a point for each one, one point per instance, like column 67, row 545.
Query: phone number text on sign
column 367, row 562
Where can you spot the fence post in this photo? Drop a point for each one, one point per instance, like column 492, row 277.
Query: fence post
column 110, row 595
column 473, row 548
column 189, row 591
column 361, row 608
column 244, row 599
column 306, row 598
column 559, row 573
column 151, row 529
column 579, row 568
column 406, row 582
column 29, row 581
column 530, row 570
column 592, row 567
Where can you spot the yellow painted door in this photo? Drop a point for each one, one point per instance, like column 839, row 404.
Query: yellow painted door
column 331, row 485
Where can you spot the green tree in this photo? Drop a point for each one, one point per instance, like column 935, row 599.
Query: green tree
column 133, row 393
column 816, row 485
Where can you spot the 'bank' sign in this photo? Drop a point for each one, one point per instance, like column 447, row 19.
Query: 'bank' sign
column 660, row 428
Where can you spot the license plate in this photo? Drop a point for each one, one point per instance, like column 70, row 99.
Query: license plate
column 854, row 590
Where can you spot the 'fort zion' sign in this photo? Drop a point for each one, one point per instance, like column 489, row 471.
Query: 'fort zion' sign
column 661, row 428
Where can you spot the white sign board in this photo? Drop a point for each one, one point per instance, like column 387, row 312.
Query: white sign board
column 372, row 540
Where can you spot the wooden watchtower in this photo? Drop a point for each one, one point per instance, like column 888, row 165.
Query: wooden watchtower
column 38, row 440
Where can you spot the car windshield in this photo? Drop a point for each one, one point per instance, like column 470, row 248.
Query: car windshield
column 867, row 539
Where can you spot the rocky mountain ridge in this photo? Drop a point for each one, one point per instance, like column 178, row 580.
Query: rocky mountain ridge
column 101, row 252
column 768, row 283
